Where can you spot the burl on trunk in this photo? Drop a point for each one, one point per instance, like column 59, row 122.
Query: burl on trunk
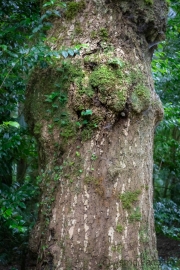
column 94, row 115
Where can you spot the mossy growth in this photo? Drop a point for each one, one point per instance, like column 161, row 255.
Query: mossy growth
column 103, row 33
column 135, row 215
column 168, row 2
column 102, row 78
column 117, row 248
column 78, row 30
column 56, row 100
column 37, row 128
column 149, row 2
column 119, row 228
column 143, row 235
column 93, row 34
column 68, row 131
column 84, row 88
column 86, row 133
column 73, row 8
column 140, row 98
column 90, row 180
column 149, row 260
column 115, row 81
column 109, row 84
column 128, row 198
column 96, row 183
column 116, row 62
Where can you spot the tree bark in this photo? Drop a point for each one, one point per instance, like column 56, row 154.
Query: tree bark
column 94, row 116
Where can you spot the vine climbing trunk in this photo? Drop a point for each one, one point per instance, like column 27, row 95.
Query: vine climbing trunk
column 94, row 116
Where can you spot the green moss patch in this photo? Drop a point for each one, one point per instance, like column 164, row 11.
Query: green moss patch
column 73, row 8
column 119, row 228
column 135, row 215
column 103, row 78
column 128, row 198
column 98, row 83
column 108, row 82
column 97, row 183
column 103, row 33
column 149, row 2
column 140, row 98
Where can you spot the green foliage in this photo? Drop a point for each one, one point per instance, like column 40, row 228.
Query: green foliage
column 9, row 123
column 18, row 211
column 15, row 145
column 166, row 61
column 167, row 217
column 22, row 50
column 22, row 47
column 18, row 190
column 168, row 2
column 93, row 157
column 54, row 3
column 23, row 38
column 166, row 71
column 86, row 112
column 167, row 155
column 170, row 264
column 13, row 202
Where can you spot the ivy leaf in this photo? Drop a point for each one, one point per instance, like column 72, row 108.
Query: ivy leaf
column 86, row 112
column 64, row 54
column 56, row 119
column 8, row 212
column 36, row 29
column 71, row 52
column 12, row 124
column 48, row 4
column 55, row 106
column 56, row 12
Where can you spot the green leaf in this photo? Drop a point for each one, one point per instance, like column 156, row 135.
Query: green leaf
column 63, row 114
column 12, row 124
column 78, row 124
column 77, row 154
column 8, row 212
column 84, row 122
column 71, row 52
column 55, row 106
column 49, row 3
column 56, row 119
column 86, row 112
column 4, row 47
column 64, row 54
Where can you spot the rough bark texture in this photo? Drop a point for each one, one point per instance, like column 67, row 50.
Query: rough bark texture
column 94, row 116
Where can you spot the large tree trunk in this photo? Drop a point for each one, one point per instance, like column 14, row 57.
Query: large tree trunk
column 94, row 116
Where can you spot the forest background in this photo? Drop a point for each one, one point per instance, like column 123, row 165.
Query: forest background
column 24, row 45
